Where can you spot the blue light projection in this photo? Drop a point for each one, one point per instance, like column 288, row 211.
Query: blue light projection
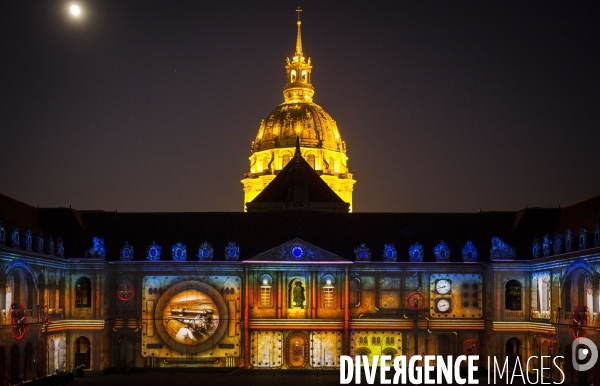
column 153, row 252
column 126, row 252
column 469, row 252
column 583, row 236
column 389, row 252
column 14, row 237
column 362, row 252
column 569, row 240
column 98, row 249
column 60, row 247
column 547, row 245
column 441, row 252
column 27, row 240
column 558, row 244
column 232, row 251
column 39, row 242
column 50, row 245
column 178, row 251
column 536, row 249
column 500, row 250
column 297, row 252
column 415, row 252
column 205, row 252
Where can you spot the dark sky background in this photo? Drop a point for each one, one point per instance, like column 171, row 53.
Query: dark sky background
column 445, row 106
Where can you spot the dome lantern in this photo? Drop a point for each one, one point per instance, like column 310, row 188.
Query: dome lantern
column 298, row 86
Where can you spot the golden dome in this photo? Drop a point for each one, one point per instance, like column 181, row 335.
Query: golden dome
column 306, row 120
column 298, row 116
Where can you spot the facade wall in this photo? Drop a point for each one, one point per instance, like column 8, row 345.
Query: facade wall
column 137, row 313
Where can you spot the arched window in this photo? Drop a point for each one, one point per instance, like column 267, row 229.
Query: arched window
column 61, row 351
column 540, row 295
column 61, row 295
column 285, row 160
column 293, row 76
column 51, row 357
column 15, row 358
column 581, row 291
column 303, row 75
column 16, row 299
column 82, row 352
column 543, row 291
column 41, row 291
column 265, row 286
column 513, row 350
column 512, row 296
column 3, row 366
column 311, row 160
column 567, row 294
column 595, row 292
column 265, row 163
column 28, row 363
column 2, row 294
column 30, row 293
column 41, row 359
column 83, row 293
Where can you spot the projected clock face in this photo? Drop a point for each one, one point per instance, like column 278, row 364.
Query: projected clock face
column 297, row 252
column 443, row 286
column 443, row 305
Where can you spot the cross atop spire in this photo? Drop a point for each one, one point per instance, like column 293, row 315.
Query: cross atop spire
column 298, row 53
column 298, row 87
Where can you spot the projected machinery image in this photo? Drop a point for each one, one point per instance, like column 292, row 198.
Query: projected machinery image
column 190, row 317
column 191, row 320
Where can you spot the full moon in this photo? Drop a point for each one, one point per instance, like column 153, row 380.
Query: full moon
column 75, row 10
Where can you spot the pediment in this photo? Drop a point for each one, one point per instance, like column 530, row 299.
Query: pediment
column 298, row 251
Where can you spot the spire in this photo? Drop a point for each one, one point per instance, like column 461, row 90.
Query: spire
column 298, row 52
column 298, row 87
column 298, row 154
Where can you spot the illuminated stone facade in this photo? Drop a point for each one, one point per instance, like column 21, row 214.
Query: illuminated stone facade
column 262, row 304
column 296, row 287
column 298, row 116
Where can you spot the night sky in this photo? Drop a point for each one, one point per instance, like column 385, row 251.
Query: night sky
column 445, row 106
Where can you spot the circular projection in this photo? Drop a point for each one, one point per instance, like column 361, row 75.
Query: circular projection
column 191, row 317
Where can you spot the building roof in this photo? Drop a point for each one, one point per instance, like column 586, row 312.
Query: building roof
column 338, row 233
column 297, row 178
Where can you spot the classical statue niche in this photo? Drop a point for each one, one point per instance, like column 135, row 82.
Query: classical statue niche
column 297, row 293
